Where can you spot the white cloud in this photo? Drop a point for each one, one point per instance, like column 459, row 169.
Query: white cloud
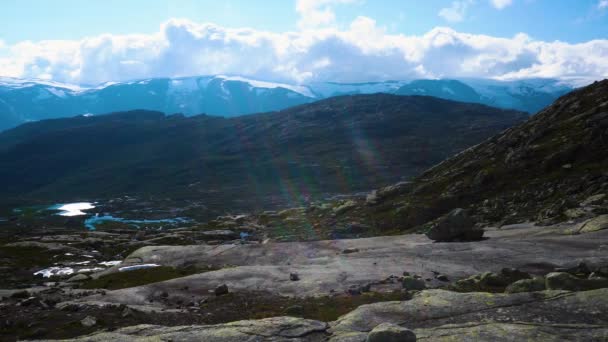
column 500, row 4
column 456, row 12
column 602, row 4
column 362, row 52
column 315, row 13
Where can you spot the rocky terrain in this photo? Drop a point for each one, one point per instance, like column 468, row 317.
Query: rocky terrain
column 506, row 241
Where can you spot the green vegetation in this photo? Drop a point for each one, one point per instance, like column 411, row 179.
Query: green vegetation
column 121, row 280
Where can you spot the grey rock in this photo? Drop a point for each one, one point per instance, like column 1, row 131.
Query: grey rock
column 411, row 283
column 350, row 250
column 527, row 285
column 594, row 200
column 88, row 321
column 78, row 278
column 592, row 225
column 567, row 281
column 435, row 308
column 219, row 235
column 456, row 225
column 276, row 329
column 221, row 290
column 387, row 332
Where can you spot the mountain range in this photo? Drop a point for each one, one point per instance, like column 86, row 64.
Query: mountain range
column 339, row 145
column 31, row 100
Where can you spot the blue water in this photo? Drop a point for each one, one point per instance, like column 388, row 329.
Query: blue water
column 94, row 220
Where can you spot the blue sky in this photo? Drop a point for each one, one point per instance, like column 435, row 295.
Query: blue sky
column 95, row 41
column 565, row 20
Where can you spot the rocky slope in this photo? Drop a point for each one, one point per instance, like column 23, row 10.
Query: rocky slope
column 339, row 145
column 551, row 168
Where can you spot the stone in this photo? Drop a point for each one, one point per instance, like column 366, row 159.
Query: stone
column 387, row 332
column 456, row 225
column 269, row 329
column 88, row 321
column 593, row 225
column 350, row 250
column 575, row 213
column 527, row 285
column 294, row 276
column 594, row 200
column 221, row 290
column 382, row 194
column 295, row 310
column 219, row 235
column 411, row 283
column 442, row 277
column 78, row 278
column 569, row 282
column 346, row 206
column 434, row 308
column 489, row 281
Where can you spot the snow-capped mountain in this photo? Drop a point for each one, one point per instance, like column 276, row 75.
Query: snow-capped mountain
column 30, row 100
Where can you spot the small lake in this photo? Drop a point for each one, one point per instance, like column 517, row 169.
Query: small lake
column 92, row 221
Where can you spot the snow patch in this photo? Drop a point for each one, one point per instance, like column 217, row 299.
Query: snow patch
column 137, row 267
column 110, row 263
column 55, row 271
column 270, row 85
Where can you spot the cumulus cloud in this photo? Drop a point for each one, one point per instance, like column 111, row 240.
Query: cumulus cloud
column 602, row 4
column 456, row 12
column 362, row 52
column 315, row 13
column 500, row 4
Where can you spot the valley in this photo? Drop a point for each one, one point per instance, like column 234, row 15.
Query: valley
column 501, row 241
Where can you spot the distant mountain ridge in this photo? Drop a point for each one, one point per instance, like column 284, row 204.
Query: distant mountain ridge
column 343, row 144
column 31, row 100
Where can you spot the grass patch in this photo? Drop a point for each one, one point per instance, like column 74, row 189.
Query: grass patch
column 121, row 280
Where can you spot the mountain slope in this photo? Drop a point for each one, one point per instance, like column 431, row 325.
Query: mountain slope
column 543, row 170
column 31, row 100
column 339, row 145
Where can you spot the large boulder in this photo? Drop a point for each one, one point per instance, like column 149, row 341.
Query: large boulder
column 455, row 226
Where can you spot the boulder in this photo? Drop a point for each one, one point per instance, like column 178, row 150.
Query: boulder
column 594, row 200
column 411, row 283
column 387, row 332
column 569, row 282
column 527, row 285
column 591, row 225
column 219, row 235
column 221, row 290
column 88, row 321
column 490, row 281
column 382, row 194
column 456, row 225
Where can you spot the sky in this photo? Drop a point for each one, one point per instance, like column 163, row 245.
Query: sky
column 95, row 41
